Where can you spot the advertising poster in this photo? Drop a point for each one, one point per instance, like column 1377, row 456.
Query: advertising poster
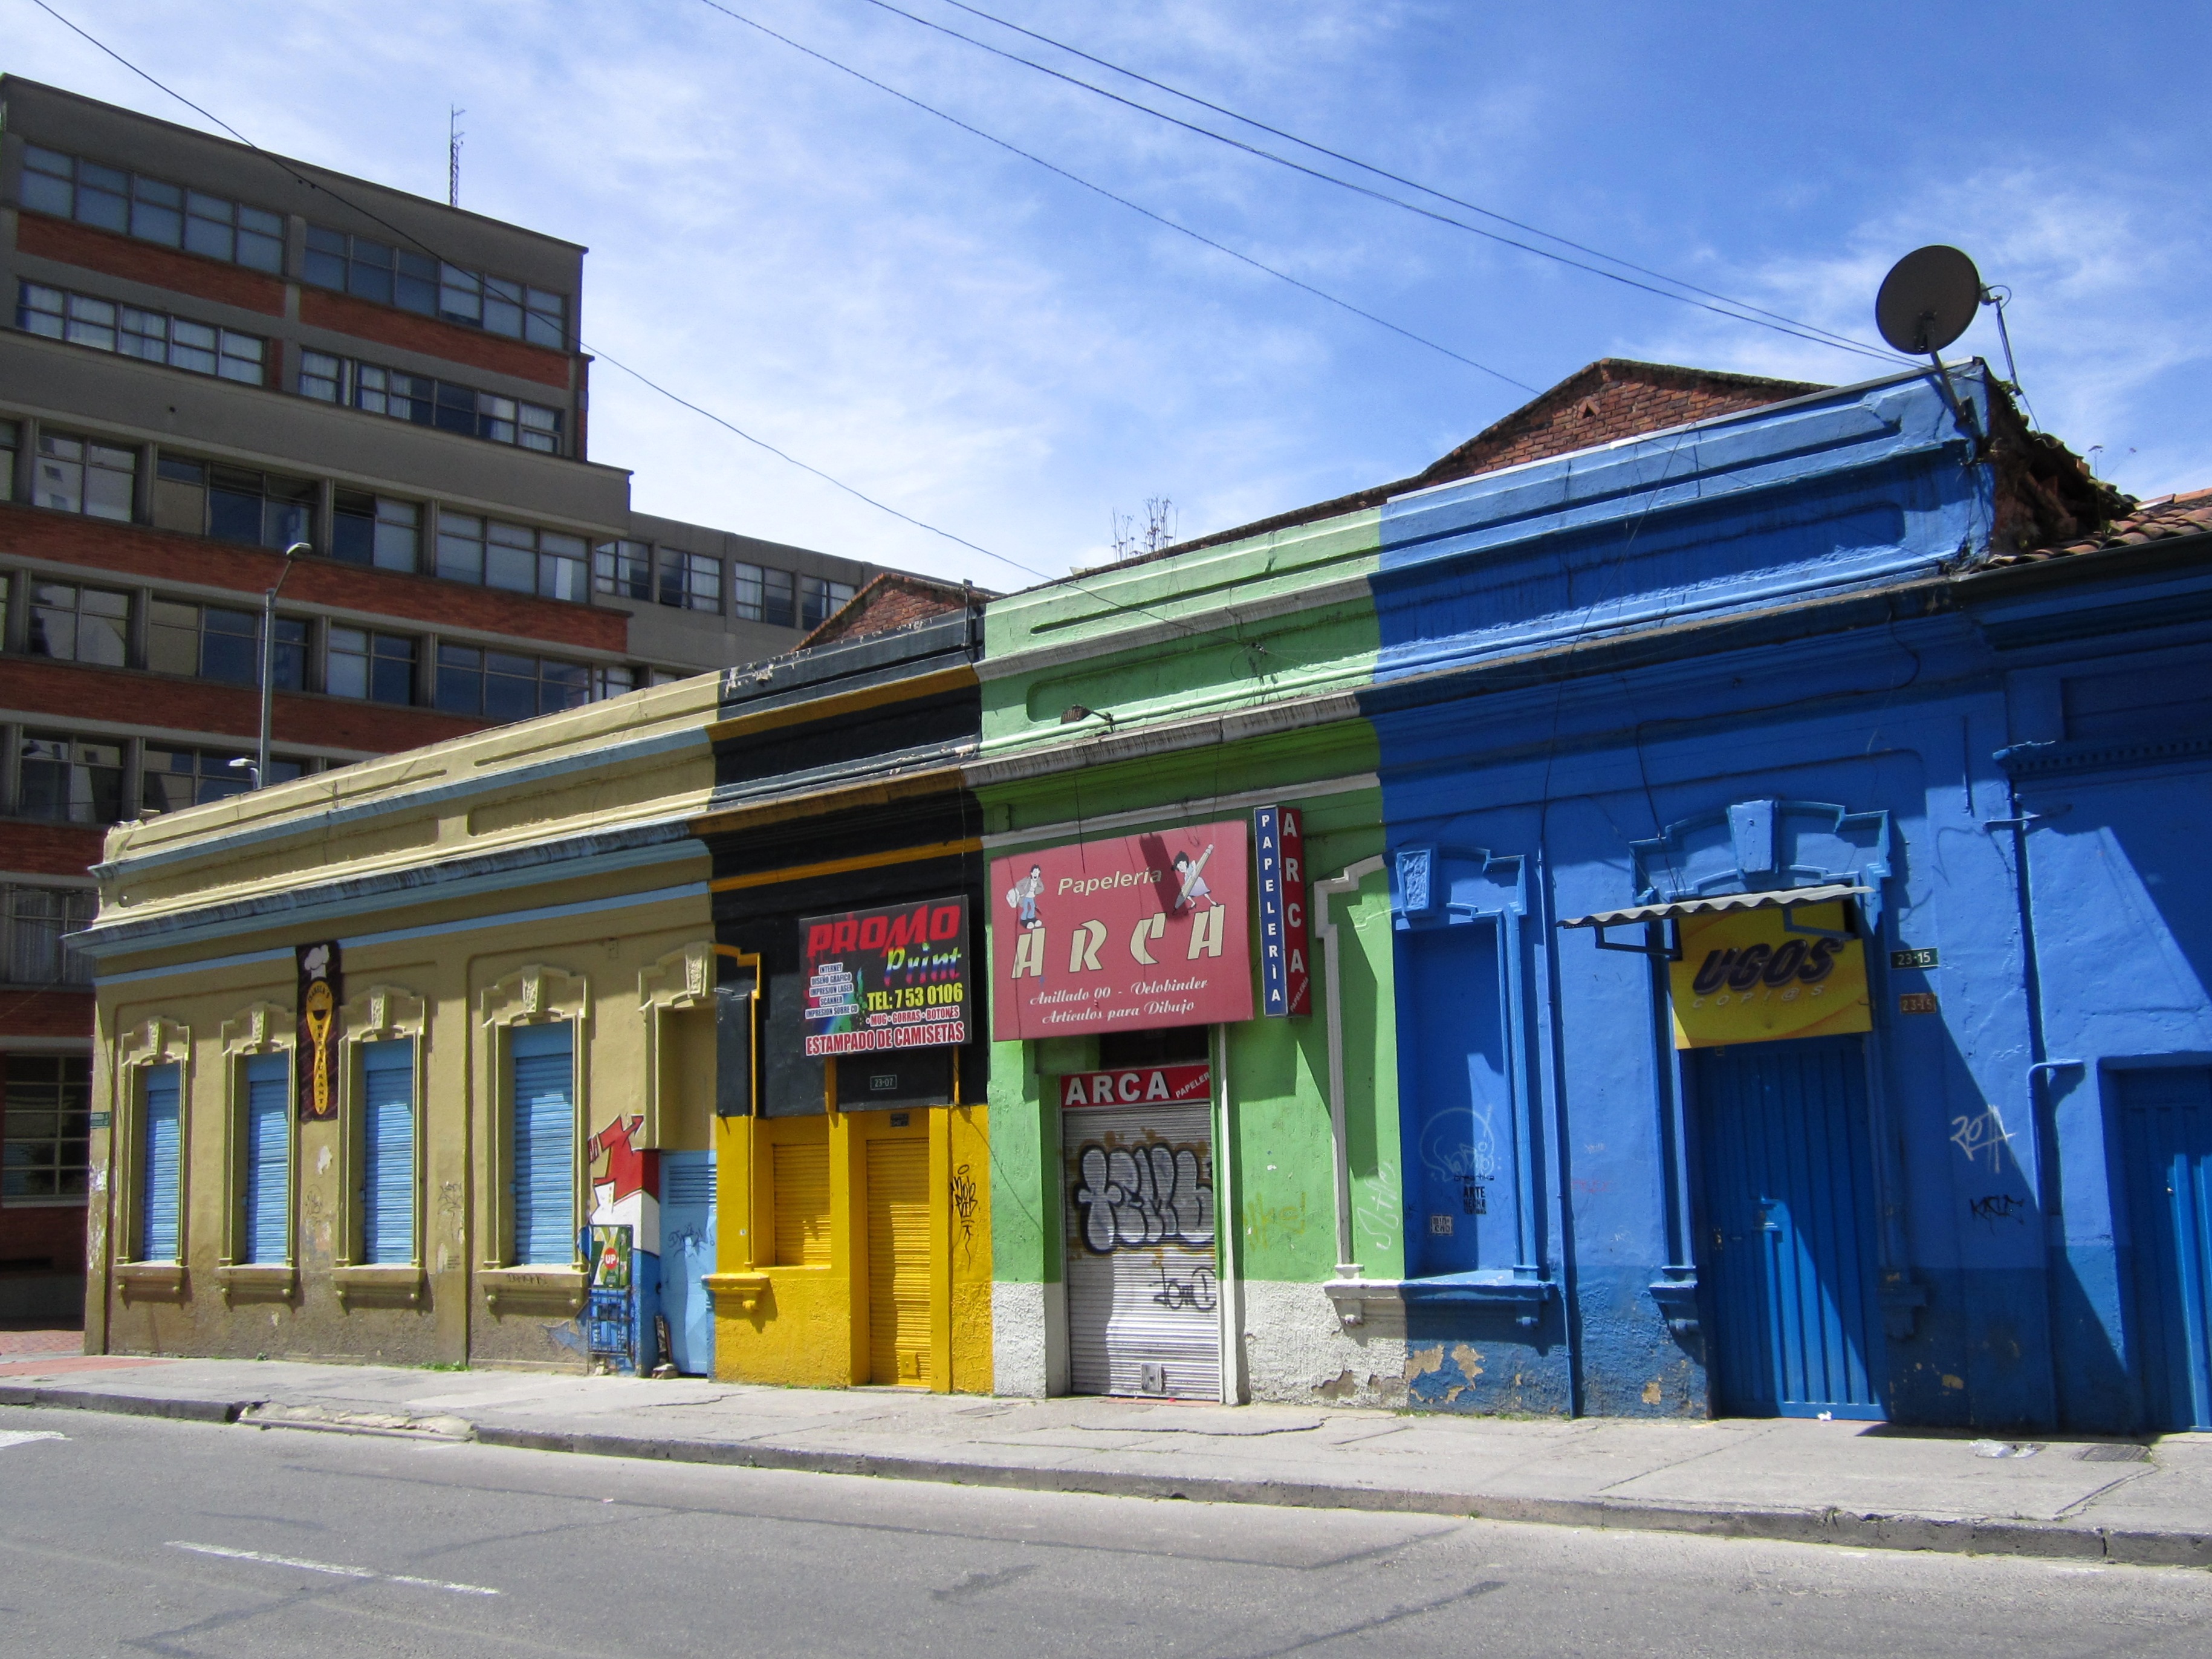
column 894, row 978
column 1743, row 978
column 1136, row 933
column 316, row 1045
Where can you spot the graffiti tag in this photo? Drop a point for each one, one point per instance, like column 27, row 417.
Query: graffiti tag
column 1134, row 1197
column 1997, row 1207
column 1980, row 1134
column 1196, row 1293
column 964, row 1200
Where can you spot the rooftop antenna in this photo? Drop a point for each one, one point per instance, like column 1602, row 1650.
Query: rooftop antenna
column 453, row 135
column 1926, row 302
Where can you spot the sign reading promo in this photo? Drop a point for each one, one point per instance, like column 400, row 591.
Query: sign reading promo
column 1134, row 934
column 1745, row 978
column 894, row 978
column 1278, row 834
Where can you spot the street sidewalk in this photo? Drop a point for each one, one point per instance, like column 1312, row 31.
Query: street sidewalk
column 1865, row 1485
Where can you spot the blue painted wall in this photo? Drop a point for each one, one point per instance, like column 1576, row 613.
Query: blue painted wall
column 1759, row 609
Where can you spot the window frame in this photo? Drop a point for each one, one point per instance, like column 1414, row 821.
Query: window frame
column 59, row 1140
column 261, row 1030
column 132, row 191
column 382, row 1013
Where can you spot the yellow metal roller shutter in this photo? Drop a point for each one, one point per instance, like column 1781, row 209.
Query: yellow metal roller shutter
column 898, row 1260
column 802, row 1205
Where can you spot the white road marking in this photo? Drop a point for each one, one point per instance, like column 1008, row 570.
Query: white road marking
column 331, row 1567
column 24, row 1437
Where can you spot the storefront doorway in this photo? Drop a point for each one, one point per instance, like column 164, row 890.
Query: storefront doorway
column 1790, row 1227
column 898, row 1257
column 2165, row 1133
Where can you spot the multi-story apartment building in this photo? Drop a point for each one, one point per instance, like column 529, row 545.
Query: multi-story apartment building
column 217, row 355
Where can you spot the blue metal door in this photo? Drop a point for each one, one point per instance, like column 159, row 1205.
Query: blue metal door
column 687, row 1256
column 1789, row 1227
column 545, row 1104
column 2166, row 1134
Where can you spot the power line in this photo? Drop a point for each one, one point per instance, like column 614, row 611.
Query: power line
column 1743, row 311
column 406, row 234
column 1124, row 201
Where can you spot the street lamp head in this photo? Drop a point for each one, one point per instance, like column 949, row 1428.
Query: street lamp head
column 298, row 548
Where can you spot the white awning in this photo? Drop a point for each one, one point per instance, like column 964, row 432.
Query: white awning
column 1775, row 899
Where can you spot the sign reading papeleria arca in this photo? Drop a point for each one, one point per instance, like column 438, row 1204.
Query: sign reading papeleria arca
column 1135, row 933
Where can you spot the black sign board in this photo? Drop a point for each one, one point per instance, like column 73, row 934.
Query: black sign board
column 887, row 979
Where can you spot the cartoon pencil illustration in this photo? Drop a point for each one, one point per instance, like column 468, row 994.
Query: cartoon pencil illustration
column 1193, row 881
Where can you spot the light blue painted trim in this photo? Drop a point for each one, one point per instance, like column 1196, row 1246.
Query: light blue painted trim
column 397, row 935
column 650, row 844
column 205, row 964
column 338, row 817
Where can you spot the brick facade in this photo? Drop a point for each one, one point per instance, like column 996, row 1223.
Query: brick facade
column 31, row 532
column 146, row 262
column 30, row 847
column 451, row 342
column 45, row 1014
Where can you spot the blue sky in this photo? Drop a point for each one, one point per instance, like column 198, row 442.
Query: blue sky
column 1002, row 354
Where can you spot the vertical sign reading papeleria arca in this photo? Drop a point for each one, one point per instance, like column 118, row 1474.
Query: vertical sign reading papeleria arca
column 1278, row 838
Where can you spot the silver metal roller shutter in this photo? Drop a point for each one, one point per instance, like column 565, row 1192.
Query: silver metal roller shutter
column 1143, row 1304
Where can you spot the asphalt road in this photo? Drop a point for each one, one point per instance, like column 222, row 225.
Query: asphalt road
column 131, row 1536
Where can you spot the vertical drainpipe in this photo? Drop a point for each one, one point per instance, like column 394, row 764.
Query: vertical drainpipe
column 1336, row 887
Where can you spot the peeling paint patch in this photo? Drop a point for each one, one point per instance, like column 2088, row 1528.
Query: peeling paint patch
column 1468, row 1360
column 323, row 1162
column 1951, row 1382
column 1653, row 1394
column 1420, row 1362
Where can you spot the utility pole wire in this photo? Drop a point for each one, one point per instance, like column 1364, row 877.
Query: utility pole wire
column 1124, row 201
column 1805, row 330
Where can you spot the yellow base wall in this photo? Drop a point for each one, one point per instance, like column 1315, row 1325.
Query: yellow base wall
column 808, row 1325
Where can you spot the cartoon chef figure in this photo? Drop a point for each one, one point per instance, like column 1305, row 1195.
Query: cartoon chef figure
column 1195, row 894
column 1023, row 897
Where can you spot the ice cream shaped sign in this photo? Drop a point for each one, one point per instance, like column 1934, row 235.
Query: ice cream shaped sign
column 1132, row 934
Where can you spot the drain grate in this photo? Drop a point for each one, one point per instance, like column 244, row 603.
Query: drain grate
column 2113, row 1453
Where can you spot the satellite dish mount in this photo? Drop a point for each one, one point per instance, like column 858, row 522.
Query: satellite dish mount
column 1926, row 302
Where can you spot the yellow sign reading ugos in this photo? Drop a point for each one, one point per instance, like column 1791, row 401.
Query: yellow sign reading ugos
column 1743, row 978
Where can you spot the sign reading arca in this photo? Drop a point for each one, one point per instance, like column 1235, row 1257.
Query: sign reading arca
column 1136, row 933
column 893, row 978
column 1139, row 1085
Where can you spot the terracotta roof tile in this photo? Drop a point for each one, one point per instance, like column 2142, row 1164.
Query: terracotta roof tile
column 2162, row 519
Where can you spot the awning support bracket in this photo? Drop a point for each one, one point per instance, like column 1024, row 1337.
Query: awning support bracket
column 1661, row 940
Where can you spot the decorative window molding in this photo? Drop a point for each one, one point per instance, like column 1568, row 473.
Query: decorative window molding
column 1762, row 846
column 1434, row 886
column 535, row 994
column 259, row 1029
column 681, row 980
column 382, row 1013
column 159, row 1041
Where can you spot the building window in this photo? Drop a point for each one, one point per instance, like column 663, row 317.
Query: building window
column 422, row 401
column 819, row 599
column 174, row 779
column 48, row 1127
column 623, row 568
column 71, row 779
column 161, row 1147
column 762, row 596
column 36, row 919
column 510, row 556
column 691, row 581
column 211, row 643
column 79, row 624
column 76, row 475
column 11, row 440
column 71, row 188
column 414, row 281
column 541, row 1097
column 387, row 1141
column 232, row 504
column 375, row 530
column 504, row 685
column 377, row 667
column 616, row 682
column 154, row 336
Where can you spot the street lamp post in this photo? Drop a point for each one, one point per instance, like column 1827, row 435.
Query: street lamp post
column 269, row 660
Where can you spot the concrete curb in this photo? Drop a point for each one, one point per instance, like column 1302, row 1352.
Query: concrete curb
column 1807, row 1526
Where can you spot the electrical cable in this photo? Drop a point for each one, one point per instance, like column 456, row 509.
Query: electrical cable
column 301, row 178
column 1123, row 201
column 1743, row 311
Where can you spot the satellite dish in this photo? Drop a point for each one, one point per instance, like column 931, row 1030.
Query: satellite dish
column 1928, row 299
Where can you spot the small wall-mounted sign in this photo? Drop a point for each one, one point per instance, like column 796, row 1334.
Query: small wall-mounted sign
column 900, row 1120
column 1917, row 1002
column 1912, row 958
column 100, row 1120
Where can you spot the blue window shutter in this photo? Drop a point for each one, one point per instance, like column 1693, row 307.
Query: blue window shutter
column 268, row 1156
column 387, row 1187
column 543, row 1076
column 157, row 1168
